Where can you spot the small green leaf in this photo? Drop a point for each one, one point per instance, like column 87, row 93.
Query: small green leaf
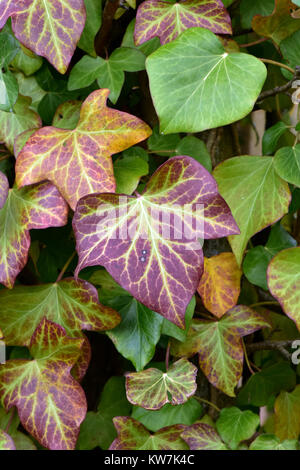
column 251, row 8
column 128, row 171
column 271, row 137
column 287, row 415
column 153, row 388
column 271, row 442
column 92, row 26
column 235, row 426
column 287, row 164
column 9, row 90
column 195, row 148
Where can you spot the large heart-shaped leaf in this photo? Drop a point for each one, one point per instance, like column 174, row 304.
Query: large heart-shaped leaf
column 33, row 207
column 279, row 25
column 219, row 286
column 153, row 388
column 196, row 85
column 140, row 241
column 201, row 436
column 168, row 19
column 78, row 161
column 51, row 28
column 50, row 403
column 284, row 281
column 18, row 120
column 132, row 435
column 257, row 196
column 4, row 187
column 236, row 426
column 69, row 303
column 220, row 347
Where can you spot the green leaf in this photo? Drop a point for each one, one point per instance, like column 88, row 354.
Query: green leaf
column 169, row 329
column 67, row 115
column 287, row 164
column 219, row 345
column 256, row 195
column 271, row 137
column 284, row 281
column 250, row 8
column 195, row 148
column 92, row 26
column 258, row 258
column 187, row 413
column 147, row 47
column 9, row 90
column 270, row 381
column 138, row 333
column 28, row 64
column 9, row 48
column 97, row 429
column 271, row 442
column 29, row 86
column 163, row 145
column 287, row 415
column 201, row 436
column 108, row 72
column 128, row 171
column 235, row 426
column 72, row 304
column 132, row 435
column 6, row 442
column 196, row 85
column 153, row 388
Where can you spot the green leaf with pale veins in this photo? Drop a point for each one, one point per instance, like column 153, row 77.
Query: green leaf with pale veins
column 271, row 442
column 152, row 388
column 235, row 426
column 69, row 303
column 132, row 435
column 219, row 345
column 256, row 195
column 287, row 164
column 196, row 85
column 18, row 120
column 201, row 436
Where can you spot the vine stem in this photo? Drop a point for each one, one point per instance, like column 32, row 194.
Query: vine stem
column 65, row 267
column 267, row 302
column 203, row 400
column 253, row 43
column 247, row 359
column 168, row 356
column 278, row 64
column 103, row 35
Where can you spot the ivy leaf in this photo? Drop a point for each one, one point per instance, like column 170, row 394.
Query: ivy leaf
column 9, row 48
column 139, row 331
column 270, row 381
column 18, row 120
column 289, row 48
column 251, row 8
column 196, row 148
column 256, row 195
column 168, row 19
column 9, row 90
column 67, row 115
column 271, row 442
column 219, row 344
column 287, row 415
column 109, row 73
column 132, row 435
column 287, row 164
column 201, row 436
column 214, row 81
column 152, row 388
column 49, row 28
column 235, row 426
column 219, row 286
column 187, row 413
column 279, row 25
column 160, row 269
column 284, row 281
column 272, row 136
column 72, row 304
column 50, row 403
column 92, row 26
column 128, row 171
column 25, row 63
column 97, row 429
column 6, row 442
column 78, row 161
column 4, row 187
column 257, row 259
column 33, row 207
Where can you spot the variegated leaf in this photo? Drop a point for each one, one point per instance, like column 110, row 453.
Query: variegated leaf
column 4, row 187
column 6, row 442
column 201, row 436
column 78, row 161
column 150, row 243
